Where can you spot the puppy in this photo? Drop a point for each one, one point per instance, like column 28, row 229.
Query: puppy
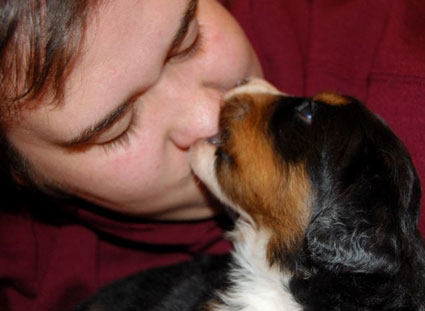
column 328, row 203
column 328, row 200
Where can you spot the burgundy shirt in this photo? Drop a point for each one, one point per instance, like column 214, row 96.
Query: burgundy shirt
column 375, row 50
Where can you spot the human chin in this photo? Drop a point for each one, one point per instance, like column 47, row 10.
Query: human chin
column 192, row 203
column 185, row 200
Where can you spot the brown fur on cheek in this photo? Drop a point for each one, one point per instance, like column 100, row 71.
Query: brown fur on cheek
column 274, row 193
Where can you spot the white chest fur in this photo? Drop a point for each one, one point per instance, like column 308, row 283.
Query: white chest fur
column 256, row 285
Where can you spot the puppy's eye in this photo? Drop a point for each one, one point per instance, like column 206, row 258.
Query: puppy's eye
column 305, row 110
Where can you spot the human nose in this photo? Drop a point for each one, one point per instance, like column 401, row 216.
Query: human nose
column 199, row 116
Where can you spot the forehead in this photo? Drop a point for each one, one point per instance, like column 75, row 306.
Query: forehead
column 122, row 53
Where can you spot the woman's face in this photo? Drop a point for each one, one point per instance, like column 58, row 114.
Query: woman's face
column 148, row 84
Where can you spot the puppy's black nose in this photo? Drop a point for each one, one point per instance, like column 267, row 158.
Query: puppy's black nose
column 242, row 82
column 215, row 140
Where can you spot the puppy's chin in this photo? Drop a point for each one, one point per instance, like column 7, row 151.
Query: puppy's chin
column 202, row 161
column 202, row 158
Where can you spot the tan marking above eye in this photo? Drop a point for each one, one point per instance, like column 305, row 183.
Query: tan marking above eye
column 331, row 99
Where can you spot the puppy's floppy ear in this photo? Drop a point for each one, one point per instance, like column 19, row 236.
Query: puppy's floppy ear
column 363, row 207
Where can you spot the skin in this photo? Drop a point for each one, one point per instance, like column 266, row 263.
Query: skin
column 174, row 101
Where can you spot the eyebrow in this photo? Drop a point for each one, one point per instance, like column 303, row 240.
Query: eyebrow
column 94, row 130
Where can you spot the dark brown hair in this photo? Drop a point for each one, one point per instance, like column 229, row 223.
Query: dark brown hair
column 39, row 42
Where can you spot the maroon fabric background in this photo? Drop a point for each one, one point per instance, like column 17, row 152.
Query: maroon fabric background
column 374, row 50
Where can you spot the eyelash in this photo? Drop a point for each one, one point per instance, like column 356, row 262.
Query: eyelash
column 122, row 140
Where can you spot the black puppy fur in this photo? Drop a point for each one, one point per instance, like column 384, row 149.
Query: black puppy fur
column 362, row 249
column 185, row 286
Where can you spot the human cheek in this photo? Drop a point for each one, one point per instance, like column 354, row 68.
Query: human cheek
column 139, row 166
column 113, row 176
column 149, row 159
column 126, row 171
